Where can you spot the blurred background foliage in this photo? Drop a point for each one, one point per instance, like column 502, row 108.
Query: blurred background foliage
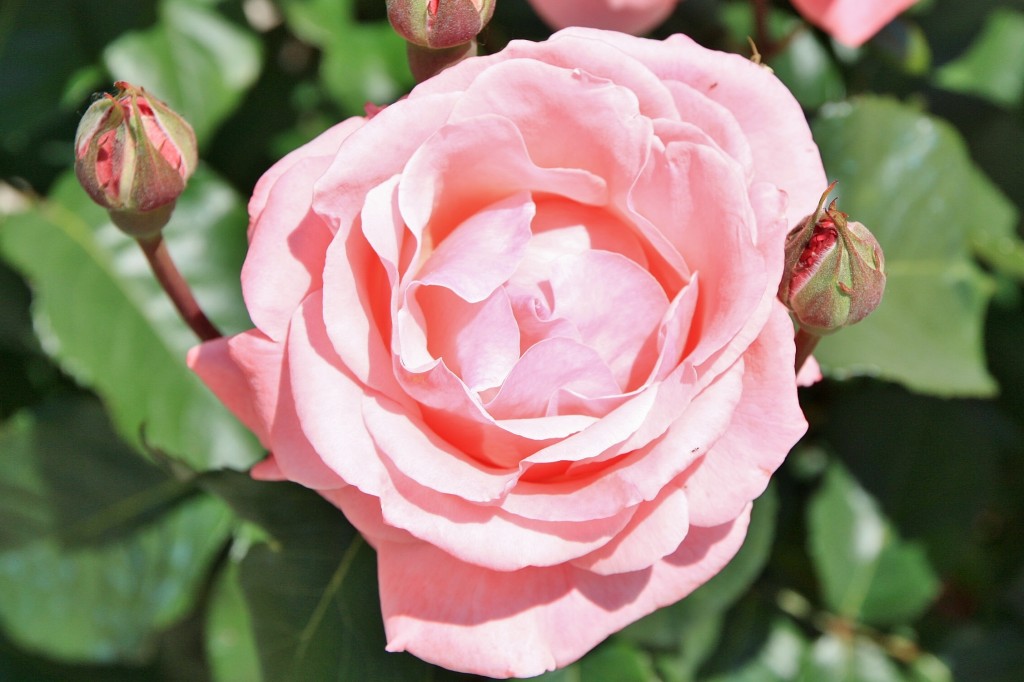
column 889, row 546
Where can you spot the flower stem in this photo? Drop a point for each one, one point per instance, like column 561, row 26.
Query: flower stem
column 805, row 343
column 177, row 288
column 762, row 34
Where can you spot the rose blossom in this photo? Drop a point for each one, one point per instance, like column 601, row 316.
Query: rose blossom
column 851, row 22
column 632, row 16
column 522, row 328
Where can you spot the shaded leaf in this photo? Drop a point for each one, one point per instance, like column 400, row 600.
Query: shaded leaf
column 908, row 178
column 779, row 658
column 867, row 573
column 79, row 482
column 311, row 589
column 848, row 660
column 100, row 313
column 915, row 465
column 993, row 66
column 362, row 61
column 614, row 661
column 990, row 653
column 193, row 59
column 106, row 602
column 230, row 641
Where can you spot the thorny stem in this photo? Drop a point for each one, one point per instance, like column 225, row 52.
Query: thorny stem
column 177, row 288
column 805, row 343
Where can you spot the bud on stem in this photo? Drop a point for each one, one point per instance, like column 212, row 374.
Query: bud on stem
column 835, row 271
column 439, row 32
column 133, row 156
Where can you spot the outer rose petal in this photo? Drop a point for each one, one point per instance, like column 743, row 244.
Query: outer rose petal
column 630, row 16
column 244, row 371
column 765, row 424
column 526, row 622
column 851, row 22
column 784, row 153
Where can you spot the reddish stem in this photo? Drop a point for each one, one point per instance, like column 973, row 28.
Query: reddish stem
column 177, row 288
column 765, row 45
column 805, row 343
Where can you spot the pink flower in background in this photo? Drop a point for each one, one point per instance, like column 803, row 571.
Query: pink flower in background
column 631, row 16
column 522, row 328
column 851, row 22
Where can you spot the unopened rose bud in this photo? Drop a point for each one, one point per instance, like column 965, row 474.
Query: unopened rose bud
column 133, row 155
column 439, row 24
column 835, row 271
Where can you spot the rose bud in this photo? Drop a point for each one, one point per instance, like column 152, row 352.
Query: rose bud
column 835, row 271
column 133, row 156
column 439, row 24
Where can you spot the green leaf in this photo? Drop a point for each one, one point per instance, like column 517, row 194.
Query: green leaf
column 915, row 465
column 993, row 66
column 362, row 61
column 983, row 652
column 193, row 59
column 909, row 179
column 906, row 45
column 312, row 589
column 613, row 661
column 102, row 493
column 778, row 659
column 100, row 313
column 929, row 668
column 45, row 48
column 109, row 600
column 230, row 642
column 866, row 572
column 844, row 660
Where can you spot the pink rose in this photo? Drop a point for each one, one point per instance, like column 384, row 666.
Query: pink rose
column 851, row 22
column 521, row 327
column 632, row 16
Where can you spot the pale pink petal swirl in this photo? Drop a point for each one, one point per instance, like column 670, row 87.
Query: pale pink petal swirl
column 521, row 328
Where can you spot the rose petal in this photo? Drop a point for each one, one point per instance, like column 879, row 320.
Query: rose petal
column 767, row 422
column 655, row 531
column 485, row 535
column 588, row 108
column 471, row 164
column 286, row 254
column 616, row 305
column 220, row 370
column 478, row 341
column 325, row 145
column 483, row 252
column 357, row 294
column 774, row 124
column 338, row 194
column 329, row 406
column 546, row 367
column 638, row 475
column 267, row 470
column 525, row 622
column 851, row 23
column 630, row 16
column 429, row 461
